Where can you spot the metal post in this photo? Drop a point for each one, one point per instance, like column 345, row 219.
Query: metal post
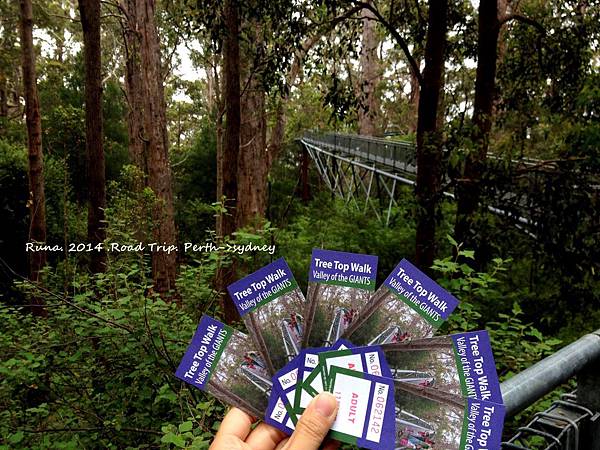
column 369, row 190
column 304, row 174
column 387, row 220
column 527, row 387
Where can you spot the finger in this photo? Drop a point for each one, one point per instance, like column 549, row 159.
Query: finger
column 265, row 437
column 282, row 444
column 315, row 423
column 236, row 423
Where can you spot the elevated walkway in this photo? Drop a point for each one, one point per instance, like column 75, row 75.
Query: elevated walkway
column 366, row 171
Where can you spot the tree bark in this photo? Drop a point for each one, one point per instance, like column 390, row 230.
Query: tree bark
column 37, row 198
column 164, row 264
column 429, row 140
column 413, row 100
column 368, row 109
column 3, row 97
column 89, row 11
column 468, row 187
column 133, row 89
column 228, row 159
column 253, row 160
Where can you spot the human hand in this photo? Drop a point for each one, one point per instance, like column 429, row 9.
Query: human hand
column 235, row 431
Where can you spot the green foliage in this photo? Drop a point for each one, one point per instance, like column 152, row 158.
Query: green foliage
column 13, row 204
column 195, row 176
column 98, row 371
column 516, row 343
column 331, row 223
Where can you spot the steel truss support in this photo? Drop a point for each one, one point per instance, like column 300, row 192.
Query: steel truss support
column 344, row 162
column 351, row 179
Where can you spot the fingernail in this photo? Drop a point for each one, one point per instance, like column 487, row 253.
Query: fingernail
column 325, row 404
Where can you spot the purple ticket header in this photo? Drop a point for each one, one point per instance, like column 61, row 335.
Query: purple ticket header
column 204, row 351
column 262, row 286
column 343, row 269
column 420, row 290
column 476, row 366
column 482, row 426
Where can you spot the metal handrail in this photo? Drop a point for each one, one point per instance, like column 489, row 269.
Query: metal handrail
column 533, row 383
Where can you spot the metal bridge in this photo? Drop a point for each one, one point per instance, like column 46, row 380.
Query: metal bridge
column 366, row 171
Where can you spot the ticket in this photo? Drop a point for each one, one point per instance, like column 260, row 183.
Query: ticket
column 340, row 285
column 221, row 360
column 366, row 409
column 308, row 361
column 408, row 305
column 427, row 418
column 460, row 364
column 271, row 303
column 285, row 382
column 370, row 360
column 278, row 412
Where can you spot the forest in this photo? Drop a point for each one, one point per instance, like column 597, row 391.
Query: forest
column 152, row 152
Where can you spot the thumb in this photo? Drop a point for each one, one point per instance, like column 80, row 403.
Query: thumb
column 315, row 423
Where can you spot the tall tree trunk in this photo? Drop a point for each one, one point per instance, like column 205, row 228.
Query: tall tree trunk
column 253, row 160
column 413, row 99
column 228, row 159
column 429, row 140
column 468, row 187
column 133, row 89
column 368, row 110
column 37, row 198
column 3, row 97
column 164, row 264
column 89, row 11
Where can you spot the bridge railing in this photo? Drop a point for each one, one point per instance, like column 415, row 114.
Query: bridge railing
column 399, row 155
column 572, row 423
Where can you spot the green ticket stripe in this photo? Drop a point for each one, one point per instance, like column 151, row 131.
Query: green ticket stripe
column 298, row 395
column 298, row 410
column 290, row 411
column 309, row 379
column 220, row 351
column 343, row 437
column 351, row 373
column 423, row 314
column 311, row 390
column 304, row 386
column 277, row 294
column 460, row 370
column 369, row 287
column 465, row 427
column 323, row 362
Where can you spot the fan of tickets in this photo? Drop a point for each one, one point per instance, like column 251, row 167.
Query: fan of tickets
column 397, row 385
